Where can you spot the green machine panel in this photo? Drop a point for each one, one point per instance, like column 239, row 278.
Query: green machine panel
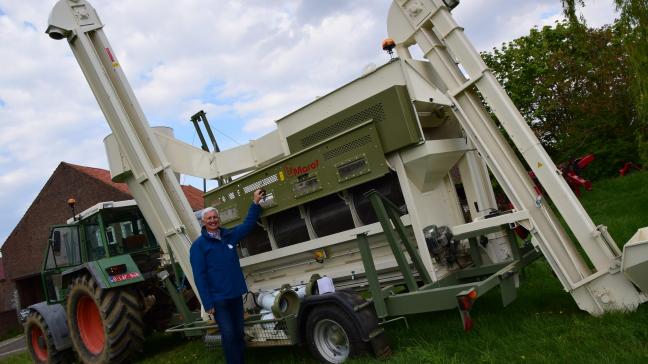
column 339, row 163
column 391, row 110
column 342, row 151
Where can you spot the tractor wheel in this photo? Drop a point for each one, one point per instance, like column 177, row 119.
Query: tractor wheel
column 40, row 342
column 331, row 335
column 105, row 325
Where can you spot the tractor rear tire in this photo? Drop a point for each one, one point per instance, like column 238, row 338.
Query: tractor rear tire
column 40, row 343
column 105, row 325
column 331, row 335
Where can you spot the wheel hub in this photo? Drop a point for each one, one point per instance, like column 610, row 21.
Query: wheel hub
column 90, row 325
column 337, row 337
column 38, row 343
column 41, row 342
column 332, row 341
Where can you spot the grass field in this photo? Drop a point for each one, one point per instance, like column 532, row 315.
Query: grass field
column 543, row 325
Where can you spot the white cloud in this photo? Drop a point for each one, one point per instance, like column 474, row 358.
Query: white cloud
column 246, row 63
column 599, row 12
column 489, row 23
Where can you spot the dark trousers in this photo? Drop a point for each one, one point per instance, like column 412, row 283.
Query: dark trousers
column 229, row 316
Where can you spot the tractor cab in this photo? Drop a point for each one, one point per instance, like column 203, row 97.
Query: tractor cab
column 103, row 287
column 105, row 230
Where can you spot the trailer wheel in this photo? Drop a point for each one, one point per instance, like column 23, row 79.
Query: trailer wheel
column 331, row 335
column 105, row 325
column 40, row 342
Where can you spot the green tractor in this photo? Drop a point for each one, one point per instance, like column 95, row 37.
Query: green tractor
column 104, row 289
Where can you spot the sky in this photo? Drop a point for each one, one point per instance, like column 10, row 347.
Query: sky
column 246, row 63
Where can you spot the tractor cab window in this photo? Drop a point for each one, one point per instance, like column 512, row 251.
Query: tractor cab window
column 126, row 231
column 63, row 250
column 94, row 242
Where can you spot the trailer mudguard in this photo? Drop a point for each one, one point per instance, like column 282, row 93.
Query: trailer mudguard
column 54, row 316
column 364, row 319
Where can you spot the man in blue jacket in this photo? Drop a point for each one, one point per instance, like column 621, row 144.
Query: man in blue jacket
column 218, row 276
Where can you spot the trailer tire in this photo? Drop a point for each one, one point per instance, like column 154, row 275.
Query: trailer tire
column 40, row 342
column 105, row 325
column 331, row 335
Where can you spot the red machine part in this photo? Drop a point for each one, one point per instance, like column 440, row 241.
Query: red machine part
column 627, row 167
column 583, row 162
column 571, row 173
column 465, row 301
column 575, row 182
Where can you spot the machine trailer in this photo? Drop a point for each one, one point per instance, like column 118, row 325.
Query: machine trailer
column 361, row 192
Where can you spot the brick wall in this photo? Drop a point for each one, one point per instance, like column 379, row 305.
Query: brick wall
column 6, row 295
column 6, row 290
column 8, row 322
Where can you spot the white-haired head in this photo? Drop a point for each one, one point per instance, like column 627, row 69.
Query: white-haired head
column 210, row 219
column 204, row 211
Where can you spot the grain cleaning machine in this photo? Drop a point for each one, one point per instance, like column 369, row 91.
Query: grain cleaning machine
column 382, row 182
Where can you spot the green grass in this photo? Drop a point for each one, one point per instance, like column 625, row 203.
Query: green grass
column 543, row 325
column 22, row 358
column 620, row 203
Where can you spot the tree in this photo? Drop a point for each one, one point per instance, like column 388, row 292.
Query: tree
column 569, row 8
column 571, row 85
column 634, row 24
column 634, row 19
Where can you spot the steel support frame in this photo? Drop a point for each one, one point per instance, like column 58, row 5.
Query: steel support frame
column 432, row 296
column 186, row 315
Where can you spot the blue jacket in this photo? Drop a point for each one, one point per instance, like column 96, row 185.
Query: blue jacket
column 215, row 264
